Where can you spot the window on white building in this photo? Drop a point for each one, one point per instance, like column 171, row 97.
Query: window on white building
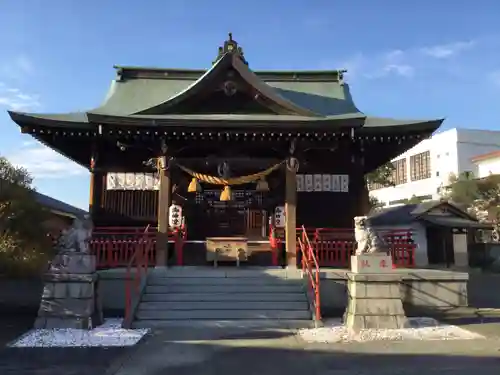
column 399, row 175
column 420, row 166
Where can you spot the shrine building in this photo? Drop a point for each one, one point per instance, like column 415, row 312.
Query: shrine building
column 226, row 152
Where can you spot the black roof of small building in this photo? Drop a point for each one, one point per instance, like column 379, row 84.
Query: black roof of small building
column 59, row 207
column 409, row 213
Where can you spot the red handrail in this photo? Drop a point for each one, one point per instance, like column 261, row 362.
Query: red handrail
column 141, row 260
column 310, row 267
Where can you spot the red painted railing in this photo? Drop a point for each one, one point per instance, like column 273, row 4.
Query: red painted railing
column 114, row 247
column 333, row 247
column 139, row 262
column 310, row 269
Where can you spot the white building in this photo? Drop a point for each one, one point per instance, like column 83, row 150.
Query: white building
column 487, row 164
column 425, row 168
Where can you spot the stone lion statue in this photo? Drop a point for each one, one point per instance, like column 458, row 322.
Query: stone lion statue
column 368, row 240
column 76, row 238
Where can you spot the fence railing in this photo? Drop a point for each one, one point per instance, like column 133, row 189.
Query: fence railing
column 310, row 269
column 333, row 247
column 114, row 247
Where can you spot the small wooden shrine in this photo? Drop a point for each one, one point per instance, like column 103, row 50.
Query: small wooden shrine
column 235, row 150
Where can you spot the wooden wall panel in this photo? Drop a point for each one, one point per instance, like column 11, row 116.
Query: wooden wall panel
column 129, row 206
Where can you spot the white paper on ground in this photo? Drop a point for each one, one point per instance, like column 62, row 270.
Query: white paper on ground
column 421, row 329
column 108, row 334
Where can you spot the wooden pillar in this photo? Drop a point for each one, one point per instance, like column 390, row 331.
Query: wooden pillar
column 97, row 185
column 164, row 201
column 291, row 217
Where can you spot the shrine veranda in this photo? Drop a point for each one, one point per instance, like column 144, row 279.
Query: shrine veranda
column 232, row 148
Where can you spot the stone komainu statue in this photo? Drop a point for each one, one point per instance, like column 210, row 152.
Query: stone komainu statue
column 367, row 239
column 76, row 238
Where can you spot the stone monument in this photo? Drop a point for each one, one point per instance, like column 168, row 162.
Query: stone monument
column 374, row 297
column 69, row 298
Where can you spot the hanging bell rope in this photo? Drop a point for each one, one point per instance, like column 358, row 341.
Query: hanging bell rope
column 229, row 181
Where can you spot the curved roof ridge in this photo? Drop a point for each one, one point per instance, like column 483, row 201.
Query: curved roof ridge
column 229, row 59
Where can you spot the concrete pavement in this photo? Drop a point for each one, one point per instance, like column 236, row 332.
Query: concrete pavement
column 248, row 351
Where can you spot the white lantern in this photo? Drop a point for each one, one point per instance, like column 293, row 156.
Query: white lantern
column 175, row 216
column 279, row 217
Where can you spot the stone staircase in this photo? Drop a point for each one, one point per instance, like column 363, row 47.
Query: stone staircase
column 194, row 296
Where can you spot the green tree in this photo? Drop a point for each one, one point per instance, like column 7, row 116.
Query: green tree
column 383, row 176
column 24, row 244
column 463, row 190
column 480, row 197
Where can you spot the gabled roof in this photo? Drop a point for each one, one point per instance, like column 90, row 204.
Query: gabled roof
column 409, row 213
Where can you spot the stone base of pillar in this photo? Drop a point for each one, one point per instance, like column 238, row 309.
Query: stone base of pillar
column 70, row 298
column 374, row 299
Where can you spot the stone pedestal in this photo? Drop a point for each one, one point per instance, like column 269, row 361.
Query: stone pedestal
column 374, row 297
column 69, row 298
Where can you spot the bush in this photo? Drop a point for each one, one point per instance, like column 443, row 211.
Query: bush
column 24, row 246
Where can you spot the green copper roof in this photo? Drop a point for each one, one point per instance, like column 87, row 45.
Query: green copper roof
column 137, row 91
column 132, row 96
column 305, row 97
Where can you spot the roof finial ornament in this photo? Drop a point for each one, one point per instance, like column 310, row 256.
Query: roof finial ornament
column 230, row 46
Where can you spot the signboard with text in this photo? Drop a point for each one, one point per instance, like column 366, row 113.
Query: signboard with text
column 371, row 263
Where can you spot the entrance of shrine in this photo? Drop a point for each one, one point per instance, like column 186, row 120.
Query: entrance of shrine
column 242, row 216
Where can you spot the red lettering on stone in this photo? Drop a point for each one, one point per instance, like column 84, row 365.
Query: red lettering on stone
column 383, row 263
column 365, row 264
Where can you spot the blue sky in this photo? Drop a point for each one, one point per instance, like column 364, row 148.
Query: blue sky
column 409, row 59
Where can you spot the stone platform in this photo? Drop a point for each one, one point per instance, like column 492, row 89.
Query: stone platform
column 374, row 297
column 69, row 298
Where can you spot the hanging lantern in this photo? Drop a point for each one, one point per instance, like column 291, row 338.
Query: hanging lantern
column 262, row 185
column 226, row 194
column 194, row 186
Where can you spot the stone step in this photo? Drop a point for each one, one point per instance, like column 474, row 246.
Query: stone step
column 233, row 288
column 246, row 324
column 221, row 314
column 154, row 280
column 225, row 272
column 229, row 306
column 222, row 297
